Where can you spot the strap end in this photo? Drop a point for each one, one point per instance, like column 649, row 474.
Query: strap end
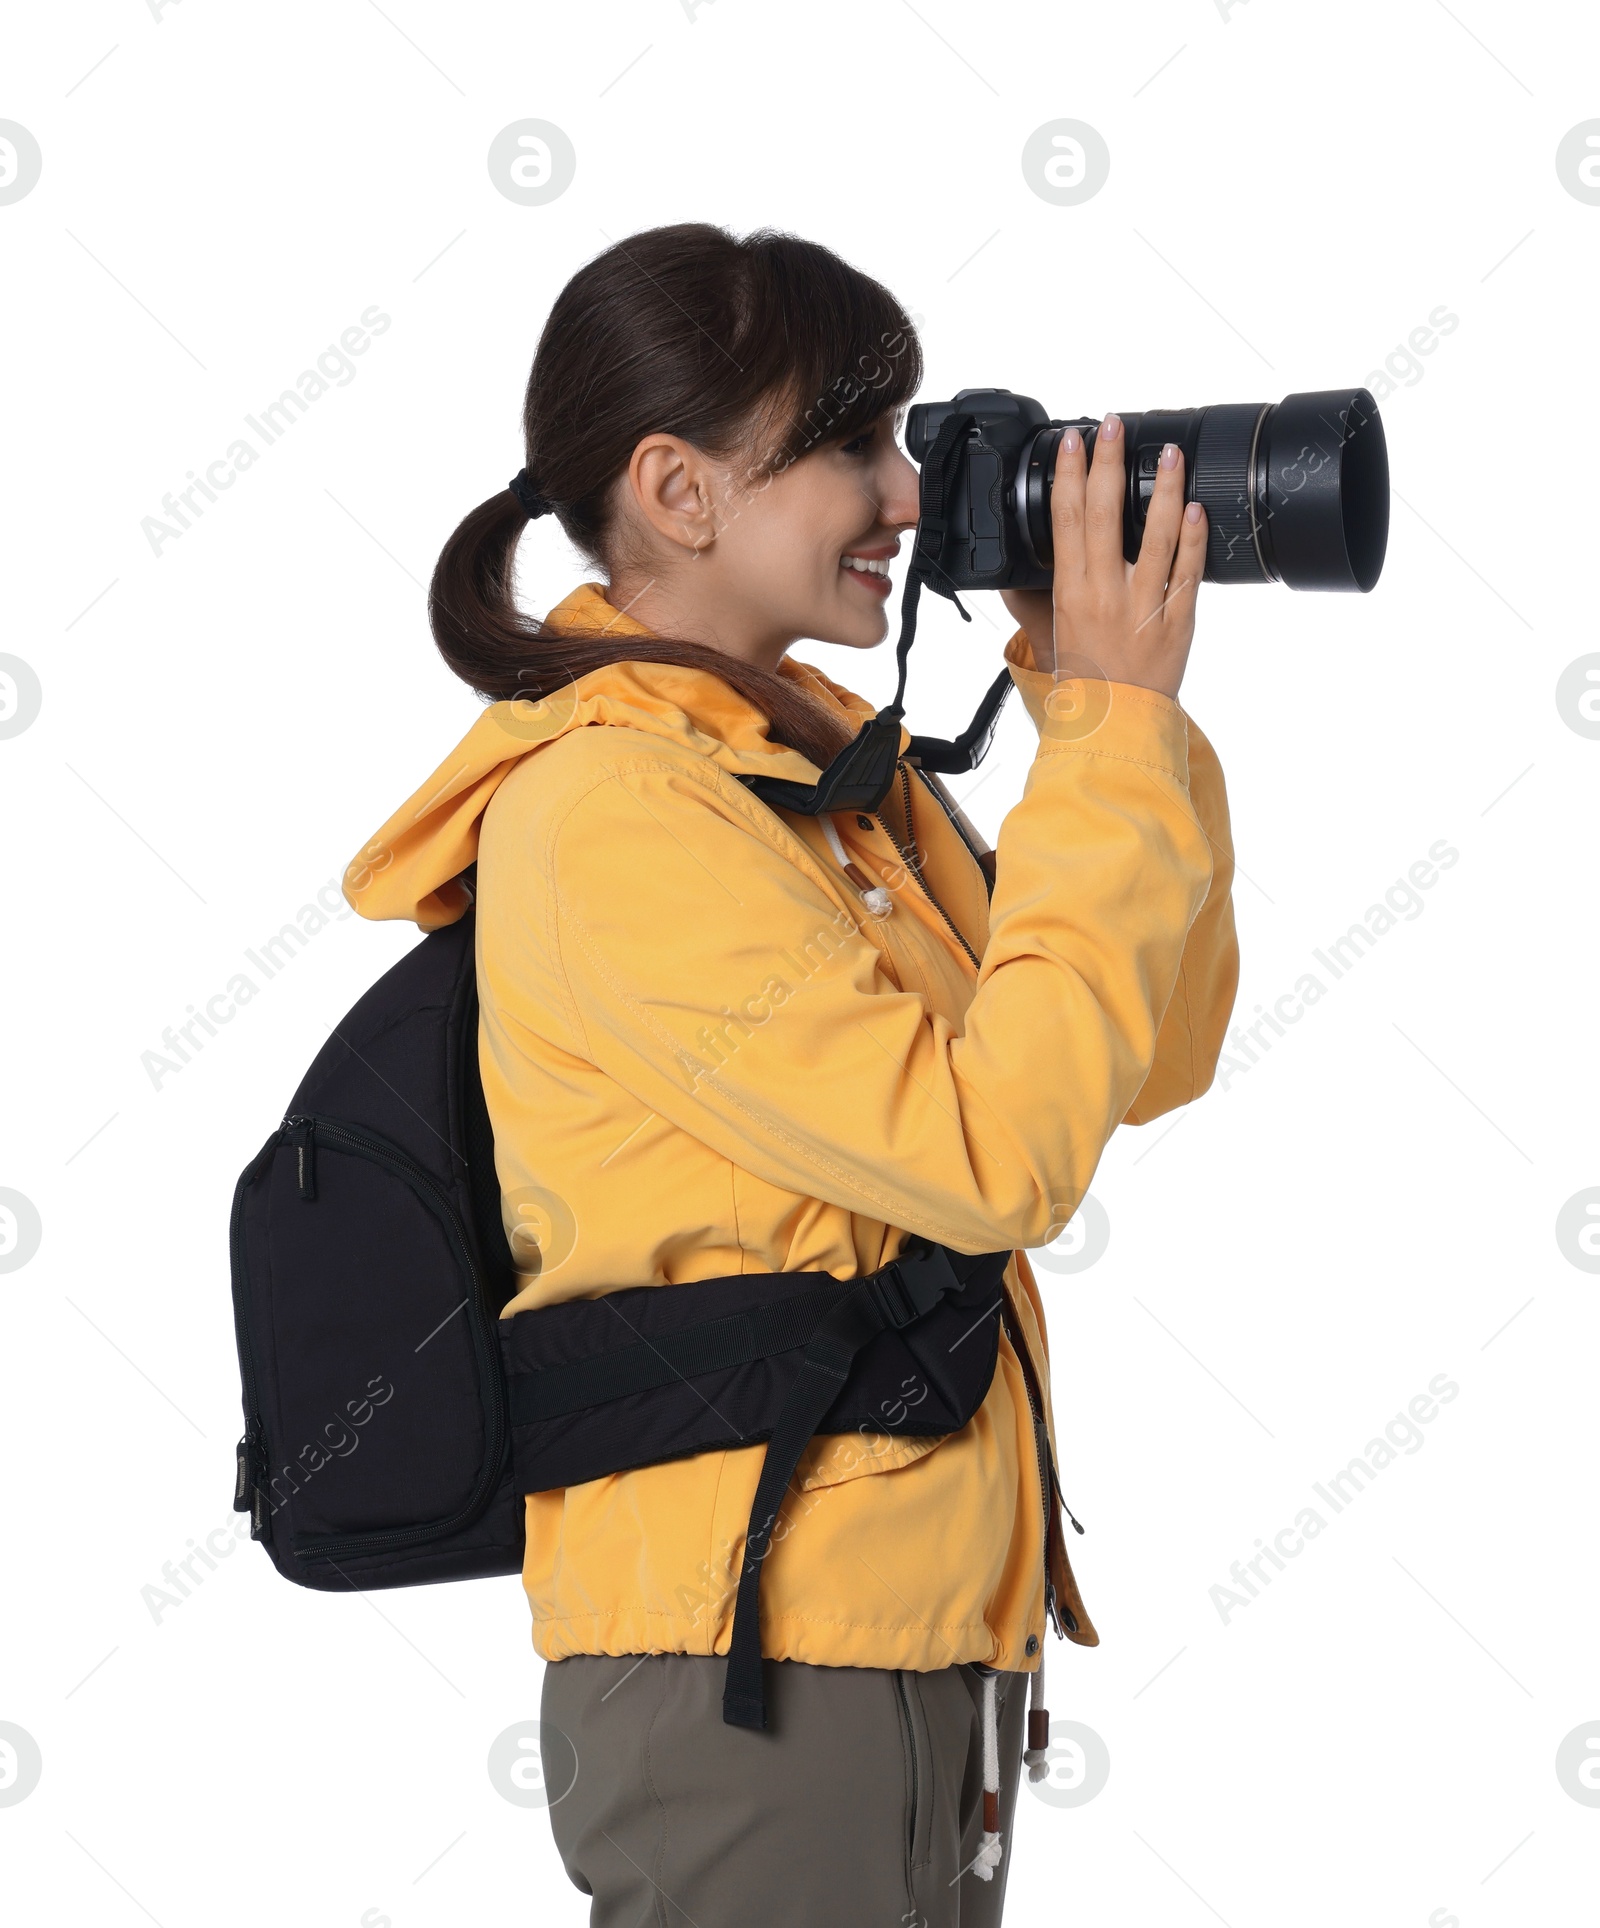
column 739, row 1710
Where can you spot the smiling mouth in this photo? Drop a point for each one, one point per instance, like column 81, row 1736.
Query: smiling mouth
column 872, row 572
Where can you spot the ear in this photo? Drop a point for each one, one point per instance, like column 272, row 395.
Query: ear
column 672, row 483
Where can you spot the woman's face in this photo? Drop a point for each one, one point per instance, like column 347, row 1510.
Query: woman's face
column 751, row 569
column 812, row 550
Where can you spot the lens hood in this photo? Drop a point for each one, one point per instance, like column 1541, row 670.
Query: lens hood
column 1322, row 490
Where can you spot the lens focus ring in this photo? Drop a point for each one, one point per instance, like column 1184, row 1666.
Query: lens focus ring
column 1222, row 486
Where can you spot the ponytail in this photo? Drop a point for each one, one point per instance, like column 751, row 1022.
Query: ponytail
column 503, row 653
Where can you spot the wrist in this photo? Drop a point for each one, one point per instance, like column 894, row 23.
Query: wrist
column 1031, row 650
column 1034, row 614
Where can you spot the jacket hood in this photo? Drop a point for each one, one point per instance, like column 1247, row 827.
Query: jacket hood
column 409, row 867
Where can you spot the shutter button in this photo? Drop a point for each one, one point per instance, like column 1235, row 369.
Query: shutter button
column 1031, row 1645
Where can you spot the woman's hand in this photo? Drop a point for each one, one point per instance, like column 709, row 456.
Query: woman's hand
column 1133, row 622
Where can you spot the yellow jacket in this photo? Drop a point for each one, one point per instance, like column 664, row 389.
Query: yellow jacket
column 703, row 1056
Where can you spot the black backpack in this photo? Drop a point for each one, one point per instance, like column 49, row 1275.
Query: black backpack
column 369, row 1266
column 394, row 1422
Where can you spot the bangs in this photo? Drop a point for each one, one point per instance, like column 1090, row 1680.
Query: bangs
column 830, row 351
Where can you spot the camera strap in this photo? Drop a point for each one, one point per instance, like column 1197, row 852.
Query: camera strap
column 859, row 777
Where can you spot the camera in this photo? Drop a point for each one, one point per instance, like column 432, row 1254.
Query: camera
column 1295, row 491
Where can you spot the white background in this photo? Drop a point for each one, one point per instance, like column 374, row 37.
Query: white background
column 1373, row 1203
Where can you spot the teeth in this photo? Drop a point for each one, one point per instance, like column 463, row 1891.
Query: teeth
column 864, row 566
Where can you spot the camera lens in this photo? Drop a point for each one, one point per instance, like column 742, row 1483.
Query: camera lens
column 1295, row 491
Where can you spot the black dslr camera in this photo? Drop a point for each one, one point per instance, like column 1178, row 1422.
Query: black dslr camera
column 1295, row 491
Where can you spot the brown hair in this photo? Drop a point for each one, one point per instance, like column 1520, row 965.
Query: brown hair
column 689, row 331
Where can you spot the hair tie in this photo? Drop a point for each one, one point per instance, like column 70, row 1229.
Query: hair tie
column 526, row 490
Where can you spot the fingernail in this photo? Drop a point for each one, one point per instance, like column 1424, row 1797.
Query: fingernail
column 1193, row 513
column 1072, row 441
column 1169, row 455
column 1111, row 428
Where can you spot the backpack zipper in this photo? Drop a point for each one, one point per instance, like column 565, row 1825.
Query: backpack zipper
column 302, row 1131
column 250, row 1453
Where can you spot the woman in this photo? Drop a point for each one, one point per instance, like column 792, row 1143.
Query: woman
column 723, row 1038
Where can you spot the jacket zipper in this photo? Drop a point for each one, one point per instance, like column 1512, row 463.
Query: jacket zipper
column 909, row 859
column 1049, row 1485
column 302, row 1132
column 952, row 811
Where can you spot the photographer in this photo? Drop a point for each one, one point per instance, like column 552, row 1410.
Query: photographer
column 721, row 1037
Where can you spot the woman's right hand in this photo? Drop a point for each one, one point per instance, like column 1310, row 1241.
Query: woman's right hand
column 1134, row 622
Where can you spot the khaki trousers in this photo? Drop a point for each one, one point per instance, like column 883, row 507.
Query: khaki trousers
column 860, row 1806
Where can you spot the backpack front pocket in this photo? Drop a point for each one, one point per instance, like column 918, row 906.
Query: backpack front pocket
column 377, row 1409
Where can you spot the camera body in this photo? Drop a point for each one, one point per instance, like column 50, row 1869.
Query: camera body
column 1294, row 491
column 987, row 543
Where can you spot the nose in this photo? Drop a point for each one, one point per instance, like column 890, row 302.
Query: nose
column 900, row 492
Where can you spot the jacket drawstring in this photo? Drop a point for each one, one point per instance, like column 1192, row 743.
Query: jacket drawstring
column 1037, row 1757
column 988, row 1855
column 877, row 900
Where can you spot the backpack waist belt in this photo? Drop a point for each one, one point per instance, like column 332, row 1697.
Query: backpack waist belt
column 653, row 1373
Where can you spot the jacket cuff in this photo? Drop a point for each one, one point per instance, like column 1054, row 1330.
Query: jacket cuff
column 1100, row 718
